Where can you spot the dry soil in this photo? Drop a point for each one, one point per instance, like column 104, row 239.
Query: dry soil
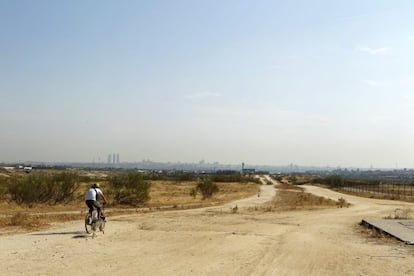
column 219, row 240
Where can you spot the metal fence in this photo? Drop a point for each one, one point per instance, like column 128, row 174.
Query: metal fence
column 404, row 191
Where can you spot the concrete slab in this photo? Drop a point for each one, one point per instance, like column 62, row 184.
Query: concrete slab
column 402, row 230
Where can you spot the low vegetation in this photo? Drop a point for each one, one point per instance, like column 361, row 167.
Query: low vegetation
column 292, row 200
column 129, row 189
column 225, row 177
column 286, row 186
column 30, row 221
column 34, row 200
column 401, row 213
column 42, row 188
column 206, row 187
column 218, row 177
column 291, row 197
column 342, row 203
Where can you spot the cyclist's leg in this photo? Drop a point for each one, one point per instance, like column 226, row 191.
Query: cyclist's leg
column 98, row 206
column 90, row 204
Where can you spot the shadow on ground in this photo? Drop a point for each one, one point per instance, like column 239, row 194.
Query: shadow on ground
column 77, row 234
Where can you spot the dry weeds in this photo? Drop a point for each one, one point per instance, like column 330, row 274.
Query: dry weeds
column 342, row 203
column 286, row 186
column 401, row 213
column 291, row 198
column 30, row 221
column 164, row 195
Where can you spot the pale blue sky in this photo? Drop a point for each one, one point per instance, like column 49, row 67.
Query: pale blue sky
column 264, row 82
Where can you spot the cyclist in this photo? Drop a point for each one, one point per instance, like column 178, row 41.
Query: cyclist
column 93, row 198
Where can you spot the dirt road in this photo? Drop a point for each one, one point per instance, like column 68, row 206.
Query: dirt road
column 217, row 241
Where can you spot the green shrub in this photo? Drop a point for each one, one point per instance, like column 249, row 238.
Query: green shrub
column 130, row 189
column 233, row 177
column 43, row 188
column 193, row 192
column 185, row 176
column 292, row 179
column 4, row 182
column 207, row 187
column 35, row 188
column 278, row 177
column 65, row 185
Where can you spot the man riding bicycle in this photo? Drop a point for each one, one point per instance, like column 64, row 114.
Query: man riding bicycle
column 93, row 199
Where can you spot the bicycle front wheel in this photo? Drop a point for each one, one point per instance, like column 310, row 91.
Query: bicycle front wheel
column 102, row 226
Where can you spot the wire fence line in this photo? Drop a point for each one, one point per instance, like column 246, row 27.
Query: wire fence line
column 403, row 191
column 375, row 188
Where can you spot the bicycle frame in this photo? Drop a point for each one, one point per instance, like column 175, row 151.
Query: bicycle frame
column 93, row 223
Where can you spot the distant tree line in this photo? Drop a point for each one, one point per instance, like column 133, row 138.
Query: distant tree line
column 336, row 181
column 219, row 176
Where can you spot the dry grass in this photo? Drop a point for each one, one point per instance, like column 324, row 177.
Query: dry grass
column 164, row 195
column 373, row 234
column 342, row 203
column 31, row 221
column 288, row 199
column 293, row 197
column 292, row 200
column 286, row 186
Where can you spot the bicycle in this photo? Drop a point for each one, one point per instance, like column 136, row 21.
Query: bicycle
column 93, row 223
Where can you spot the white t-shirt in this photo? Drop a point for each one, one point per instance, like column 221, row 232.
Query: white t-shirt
column 91, row 194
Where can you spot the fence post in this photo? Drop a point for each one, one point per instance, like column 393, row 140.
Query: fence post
column 381, row 189
column 398, row 190
column 404, row 191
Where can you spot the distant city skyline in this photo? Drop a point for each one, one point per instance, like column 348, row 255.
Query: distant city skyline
column 182, row 164
column 314, row 83
column 206, row 167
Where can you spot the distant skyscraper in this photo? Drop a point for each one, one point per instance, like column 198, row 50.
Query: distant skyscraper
column 117, row 158
column 113, row 158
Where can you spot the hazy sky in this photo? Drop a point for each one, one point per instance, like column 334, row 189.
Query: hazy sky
column 264, row 82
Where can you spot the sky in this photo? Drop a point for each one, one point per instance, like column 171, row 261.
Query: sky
column 315, row 83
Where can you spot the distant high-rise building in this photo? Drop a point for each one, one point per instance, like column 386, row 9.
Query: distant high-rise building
column 113, row 158
column 117, row 158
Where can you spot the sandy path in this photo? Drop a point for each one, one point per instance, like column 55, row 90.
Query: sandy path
column 215, row 241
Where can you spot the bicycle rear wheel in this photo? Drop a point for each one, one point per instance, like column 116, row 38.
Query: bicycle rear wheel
column 89, row 223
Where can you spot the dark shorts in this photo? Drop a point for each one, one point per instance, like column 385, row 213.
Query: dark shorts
column 93, row 203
